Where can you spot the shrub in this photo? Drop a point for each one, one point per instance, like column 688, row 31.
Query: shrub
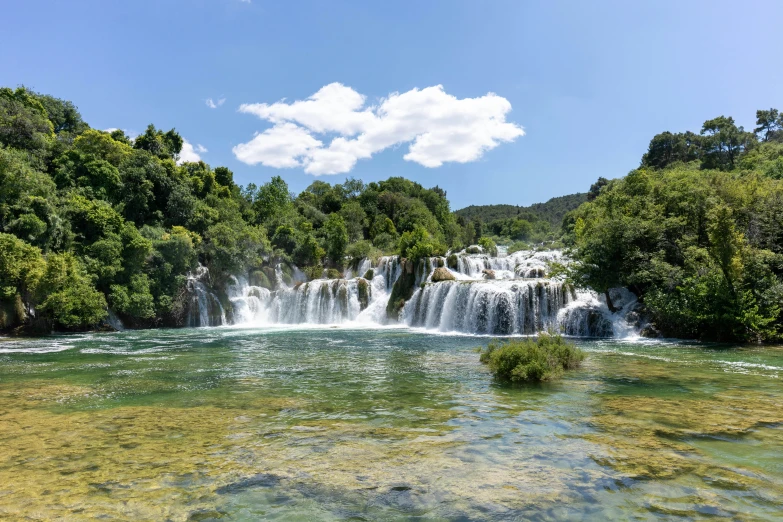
column 418, row 244
column 531, row 360
column 489, row 246
column 517, row 246
column 313, row 272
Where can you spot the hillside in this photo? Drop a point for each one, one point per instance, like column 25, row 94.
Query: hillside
column 94, row 221
column 551, row 211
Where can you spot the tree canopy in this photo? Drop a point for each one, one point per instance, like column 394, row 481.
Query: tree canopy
column 695, row 232
column 92, row 221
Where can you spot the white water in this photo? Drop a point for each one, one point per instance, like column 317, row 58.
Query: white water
column 519, row 300
column 204, row 307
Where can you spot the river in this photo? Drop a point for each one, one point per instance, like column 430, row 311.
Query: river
column 306, row 423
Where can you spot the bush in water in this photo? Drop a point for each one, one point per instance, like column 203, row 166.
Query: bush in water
column 531, row 360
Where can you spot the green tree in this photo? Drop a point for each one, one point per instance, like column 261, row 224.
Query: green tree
column 67, row 295
column 335, row 238
column 723, row 142
column 24, row 123
column 354, row 217
column 158, row 143
column 770, row 123
column 272, row 200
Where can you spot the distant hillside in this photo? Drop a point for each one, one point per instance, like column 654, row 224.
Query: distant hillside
column 552, row 211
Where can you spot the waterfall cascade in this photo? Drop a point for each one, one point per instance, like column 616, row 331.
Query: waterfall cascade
column 204, row 308
column 506, row 295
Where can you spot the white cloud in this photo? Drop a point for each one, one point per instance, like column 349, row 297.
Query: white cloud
column 282, row 146
column 189, row 153
column 439, row 127
column 212, row 104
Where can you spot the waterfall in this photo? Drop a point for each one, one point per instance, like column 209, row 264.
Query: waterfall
column 250, row 303
column 491, row 307
column 204, row 307
column 506, row 295
column 390, row 268
column 114, row 321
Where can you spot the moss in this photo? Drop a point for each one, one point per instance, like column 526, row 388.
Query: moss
column 531, row 360
column 259, row 278
column 648, row 436
column 333, row 273
column 269, row 272
column 402, row 290
column 473, row 250
column 364, row 293
column 369, row 274
column 313, row 272
column 453, row 262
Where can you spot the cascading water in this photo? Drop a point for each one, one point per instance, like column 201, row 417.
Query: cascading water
column 250, row 303
column 204, row 307
column 507, row 295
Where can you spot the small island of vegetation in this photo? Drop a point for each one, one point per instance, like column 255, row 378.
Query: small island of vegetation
column 531, row 360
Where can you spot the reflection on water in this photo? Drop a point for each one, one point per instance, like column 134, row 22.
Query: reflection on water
column 241, row 424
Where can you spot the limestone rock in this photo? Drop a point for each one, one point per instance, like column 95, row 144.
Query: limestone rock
column 442, row 274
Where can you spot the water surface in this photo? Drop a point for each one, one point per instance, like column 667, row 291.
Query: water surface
column 381, row 424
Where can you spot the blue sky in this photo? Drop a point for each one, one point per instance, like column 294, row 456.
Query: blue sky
column 590, row 82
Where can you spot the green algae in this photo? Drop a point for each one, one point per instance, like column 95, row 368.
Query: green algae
column 330, row 424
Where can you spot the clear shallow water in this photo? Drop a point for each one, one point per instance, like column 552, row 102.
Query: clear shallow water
column 381, row 424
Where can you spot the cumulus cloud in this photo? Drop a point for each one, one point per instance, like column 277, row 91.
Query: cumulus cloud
column 189, row 153
column 212, row 104
column 438, row 127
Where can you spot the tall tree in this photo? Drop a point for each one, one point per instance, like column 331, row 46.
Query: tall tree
column 724, row 142
column 770, row 123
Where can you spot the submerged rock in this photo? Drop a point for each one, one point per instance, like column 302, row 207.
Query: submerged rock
column 442, row 274
column 488, row 274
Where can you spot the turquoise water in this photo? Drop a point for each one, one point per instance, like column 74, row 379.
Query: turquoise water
column 382, row 424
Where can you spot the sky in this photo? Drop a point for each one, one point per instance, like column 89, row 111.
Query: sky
column 509, row 102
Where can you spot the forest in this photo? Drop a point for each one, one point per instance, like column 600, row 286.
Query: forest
column 695, row 232
column 93, row 220
column 522, row 227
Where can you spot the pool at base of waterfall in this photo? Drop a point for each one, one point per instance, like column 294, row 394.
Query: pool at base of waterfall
column 371, row 423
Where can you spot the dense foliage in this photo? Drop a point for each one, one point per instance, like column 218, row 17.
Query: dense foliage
column 92, row 221
column 696, row 232
column 517, row 225
column 531, row 360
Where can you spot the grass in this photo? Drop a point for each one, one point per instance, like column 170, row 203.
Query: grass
column 531, row 360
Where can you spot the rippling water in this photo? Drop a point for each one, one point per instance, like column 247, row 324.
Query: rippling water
column 381, row 424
